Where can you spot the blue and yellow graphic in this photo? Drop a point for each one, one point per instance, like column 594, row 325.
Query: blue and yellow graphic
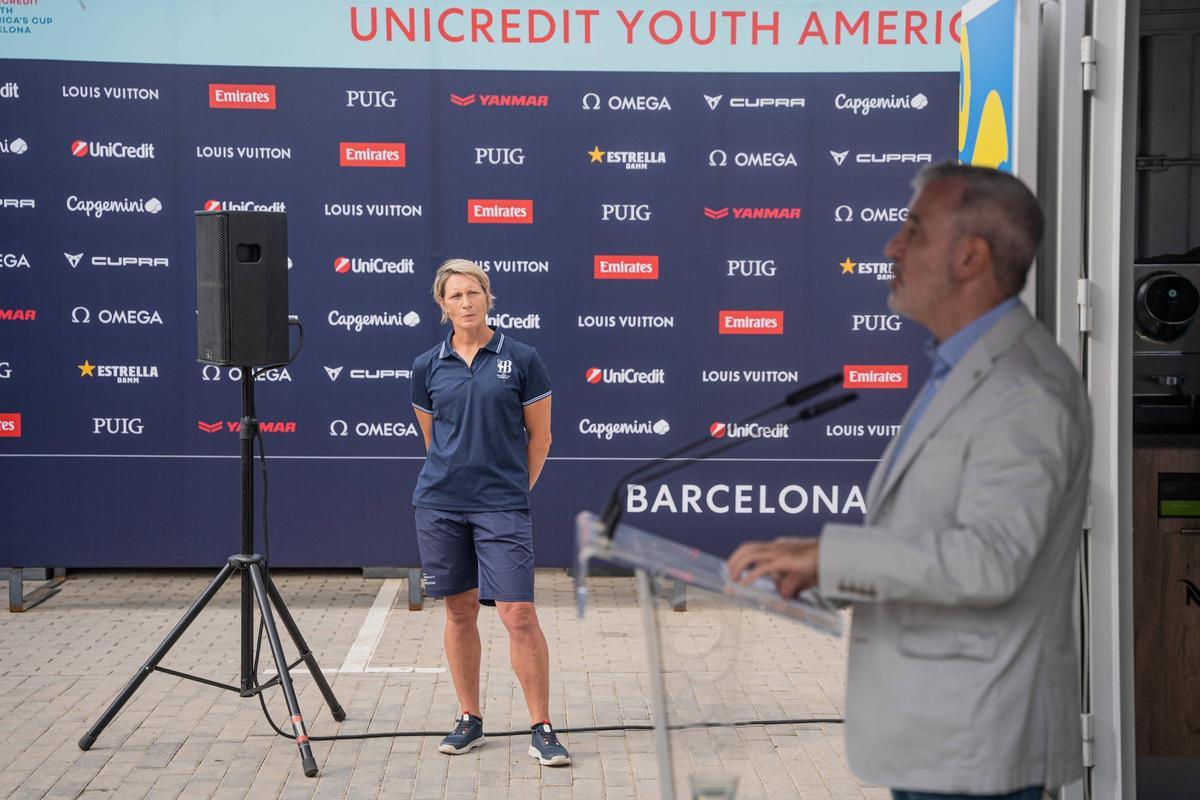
column 985, row 88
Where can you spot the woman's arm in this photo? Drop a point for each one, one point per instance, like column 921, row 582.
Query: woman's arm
column 537, row 425
column 425, row 420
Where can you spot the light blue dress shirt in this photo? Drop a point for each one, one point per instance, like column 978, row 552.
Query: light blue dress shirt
column 944, row 357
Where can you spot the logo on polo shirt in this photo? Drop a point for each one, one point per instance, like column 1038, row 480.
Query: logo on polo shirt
column 504, row 369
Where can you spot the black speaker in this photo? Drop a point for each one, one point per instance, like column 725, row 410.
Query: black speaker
column 241, row 288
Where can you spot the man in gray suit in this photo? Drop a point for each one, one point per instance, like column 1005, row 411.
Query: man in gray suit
column 962, row 677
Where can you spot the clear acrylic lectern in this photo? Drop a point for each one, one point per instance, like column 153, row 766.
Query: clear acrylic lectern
column 653, row 557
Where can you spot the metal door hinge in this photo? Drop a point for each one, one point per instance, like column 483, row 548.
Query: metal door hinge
column 1089, row 740
column 1087, row 57
column 1083, row 300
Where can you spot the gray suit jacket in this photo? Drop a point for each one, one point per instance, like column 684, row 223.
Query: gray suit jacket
column 962, row 673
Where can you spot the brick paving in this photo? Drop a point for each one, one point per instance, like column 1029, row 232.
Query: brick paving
column 65, row 660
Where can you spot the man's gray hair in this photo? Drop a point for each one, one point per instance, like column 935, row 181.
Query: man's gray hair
column 999, row 208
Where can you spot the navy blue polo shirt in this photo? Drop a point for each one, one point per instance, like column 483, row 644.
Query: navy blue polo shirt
column 477, row 459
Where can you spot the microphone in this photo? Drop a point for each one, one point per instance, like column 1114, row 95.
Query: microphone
column 613, row 507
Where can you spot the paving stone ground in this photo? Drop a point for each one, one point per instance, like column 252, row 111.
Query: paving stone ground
column 64, row 661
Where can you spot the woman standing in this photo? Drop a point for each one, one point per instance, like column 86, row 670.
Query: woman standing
column 482, row 400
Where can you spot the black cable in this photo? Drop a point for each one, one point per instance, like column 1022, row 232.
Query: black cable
column 300, row 343
column 590, row 729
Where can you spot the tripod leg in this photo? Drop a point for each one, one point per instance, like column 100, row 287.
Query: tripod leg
column 285, row 680
column 114, row 708
column 310, row 660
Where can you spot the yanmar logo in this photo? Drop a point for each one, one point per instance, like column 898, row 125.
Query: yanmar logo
column 235, row 426
column 625, row 268
column 372, row 154
column 499, row 212
column 875, row 376
column 256, row 96
column 18, row 314
column 501, row 100
column 777, row 213
column 10, row 426
column 750, row 322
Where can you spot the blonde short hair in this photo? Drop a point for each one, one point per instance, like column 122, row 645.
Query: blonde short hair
column 460, row 266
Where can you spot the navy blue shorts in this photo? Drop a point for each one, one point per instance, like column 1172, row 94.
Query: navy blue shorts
column 488, row 550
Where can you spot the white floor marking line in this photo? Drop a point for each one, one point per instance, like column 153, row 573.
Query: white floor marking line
column 371, row 631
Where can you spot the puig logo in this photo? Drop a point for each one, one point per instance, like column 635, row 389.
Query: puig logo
column 625, row 212
column 500, row 156
column 370, row 98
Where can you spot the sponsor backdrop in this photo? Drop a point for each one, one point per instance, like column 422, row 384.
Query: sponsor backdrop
column 685, row 229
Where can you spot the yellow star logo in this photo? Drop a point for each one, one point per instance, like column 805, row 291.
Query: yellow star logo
column 597, row 155
column 847, row 266
column 87, row 368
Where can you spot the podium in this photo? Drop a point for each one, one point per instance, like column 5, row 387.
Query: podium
column 654, row 557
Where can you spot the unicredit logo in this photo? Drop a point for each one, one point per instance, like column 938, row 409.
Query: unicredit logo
column 875, row 376
column 83, row 149
column 372, row 154
column 595, row 375
column 628, row 268
column 753, row 430
column 241, row 95
column 344, row 265
column 750, row 322
column 500, row 212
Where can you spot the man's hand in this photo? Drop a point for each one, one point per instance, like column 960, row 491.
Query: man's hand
column 790, row 561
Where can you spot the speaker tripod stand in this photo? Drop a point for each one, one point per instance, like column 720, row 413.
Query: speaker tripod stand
column 257, row 587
